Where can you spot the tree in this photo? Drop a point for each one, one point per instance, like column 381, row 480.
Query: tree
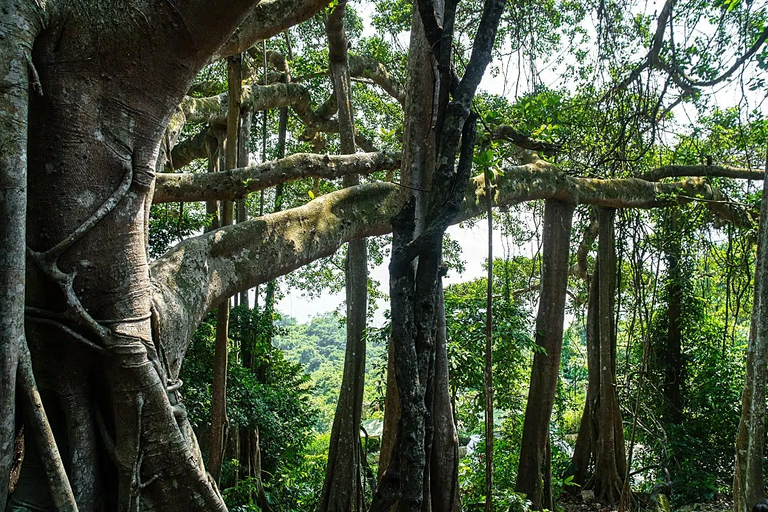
column 748, row 478
column 534, row 476
column 92, row 105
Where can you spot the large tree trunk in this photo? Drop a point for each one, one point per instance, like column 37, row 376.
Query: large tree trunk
column 533, row 469
column 343, row 485
column 18, row 27
column 748, row 479
column 601, row 435
column 93, row 144
column 418, row 149
column 610, row 459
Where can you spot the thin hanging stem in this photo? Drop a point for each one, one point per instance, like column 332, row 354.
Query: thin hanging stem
column 489, row 355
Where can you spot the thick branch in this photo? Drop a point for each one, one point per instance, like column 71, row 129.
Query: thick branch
column 367, row 67
column 519, row 139
column 230, row 185
column 213, row 110
column 185, row 152
column 200, row 272
column 268, row 18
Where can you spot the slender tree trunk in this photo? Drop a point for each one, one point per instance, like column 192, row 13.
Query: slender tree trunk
column 533, row 470
column 586, row 441
column 673, row 359
column 610, row 459
column 444, row 469
column 243, row 136
column 748, row 480
column 488, row 387
column 219, row 420
column 343, row 485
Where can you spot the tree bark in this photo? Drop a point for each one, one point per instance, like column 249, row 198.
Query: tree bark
column 219, row 422
column 444, row 469
column 610, row 459
column 545, row 373
column 343, row 485
column 19, row 26
column 748, row 479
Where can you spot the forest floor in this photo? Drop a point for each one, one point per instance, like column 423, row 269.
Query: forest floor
column 645, row 502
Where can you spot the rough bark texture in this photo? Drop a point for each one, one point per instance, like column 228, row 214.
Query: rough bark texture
column 112, row 75
column 343, row 486
column 610, row 459
column 419, row 118
column 748, row 480
column 414, row 290
column 19, row 25
column 533, row 468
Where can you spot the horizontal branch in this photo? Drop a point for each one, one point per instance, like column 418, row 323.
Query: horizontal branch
column 236, row 183
column 718, row 171
column 267, row 19
column 506, row 132
column 368, row 67
column 201, row 272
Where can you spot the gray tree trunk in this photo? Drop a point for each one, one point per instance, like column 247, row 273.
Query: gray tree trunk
column 748, row 479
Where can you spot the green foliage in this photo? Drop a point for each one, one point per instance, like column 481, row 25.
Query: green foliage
column 171, row 223
column 320, row 347
column 277, row 404
column 465, row 306
column 506, row 452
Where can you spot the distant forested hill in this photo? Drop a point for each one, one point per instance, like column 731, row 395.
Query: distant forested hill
column 319, row 345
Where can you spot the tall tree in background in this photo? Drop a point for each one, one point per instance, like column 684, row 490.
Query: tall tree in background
column 534, row 472
column 601, row 435
column 748, row 479
column 343, row 486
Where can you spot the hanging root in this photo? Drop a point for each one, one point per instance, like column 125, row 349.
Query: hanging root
column 61, row 491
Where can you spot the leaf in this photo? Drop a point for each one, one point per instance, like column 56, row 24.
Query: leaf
column 311, row 194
